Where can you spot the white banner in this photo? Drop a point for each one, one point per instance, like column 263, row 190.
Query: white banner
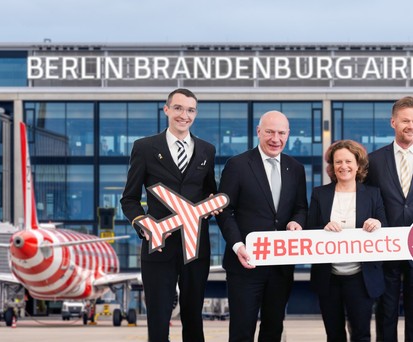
column 320, row 246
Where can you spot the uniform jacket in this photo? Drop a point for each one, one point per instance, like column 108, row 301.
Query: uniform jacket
column 150, row 163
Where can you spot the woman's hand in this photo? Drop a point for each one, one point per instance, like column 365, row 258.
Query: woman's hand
column 371, row 225
column 333, row 226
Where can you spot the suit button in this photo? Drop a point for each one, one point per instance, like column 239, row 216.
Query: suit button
column 276, row 221
column 406, row 206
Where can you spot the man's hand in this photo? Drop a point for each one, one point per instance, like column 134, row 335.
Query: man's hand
column 146, row 235
column 292, row 225
column 244, row 258
column 215, row 212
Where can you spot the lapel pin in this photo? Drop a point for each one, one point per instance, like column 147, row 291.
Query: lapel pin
column 203, row 163
column 160, row 156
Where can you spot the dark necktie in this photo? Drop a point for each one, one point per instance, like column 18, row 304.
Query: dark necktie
column 182, row 156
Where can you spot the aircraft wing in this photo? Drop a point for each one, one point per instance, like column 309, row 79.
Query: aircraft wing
column 117, row 278
column 8, row 278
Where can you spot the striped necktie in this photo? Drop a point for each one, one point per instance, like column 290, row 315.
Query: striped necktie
column 182, row 156
column 405, row 174
column 275, row 182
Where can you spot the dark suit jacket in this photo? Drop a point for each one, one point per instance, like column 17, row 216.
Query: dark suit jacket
column 369, row 204
column 383, row 173
column 251, row 206
column 151, row 162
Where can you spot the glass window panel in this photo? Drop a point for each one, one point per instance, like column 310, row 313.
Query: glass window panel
column 300, row 140
column 207, row 124
column 317, row 123
column 13, row 69
column 61, row 129
column 365, row 122
column 233, row 128
column 142, row 122
column 79, row 121
column 383, row 132
column 112, row 182
column 51, row 192
column 64, row 192
column 113, row 126
column 337, row 124
column 128, row 250
column 80, row 197
column 51, row 116
column 81, row 228
column 358, row 123
column 225, row 125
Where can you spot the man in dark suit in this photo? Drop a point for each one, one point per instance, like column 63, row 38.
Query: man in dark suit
column 385, row 171
column 260, row 201
column 185, row 164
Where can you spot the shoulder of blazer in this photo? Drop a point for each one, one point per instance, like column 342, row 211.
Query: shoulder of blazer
column 323, row 190
column 290, row 162
column 381, row 151
column 286, row 158
column 249, row 155
column 368, row 189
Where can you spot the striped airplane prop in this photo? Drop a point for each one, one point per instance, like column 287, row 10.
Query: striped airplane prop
column 185, row 215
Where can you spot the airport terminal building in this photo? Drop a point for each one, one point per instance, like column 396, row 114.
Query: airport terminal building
column 85, row 104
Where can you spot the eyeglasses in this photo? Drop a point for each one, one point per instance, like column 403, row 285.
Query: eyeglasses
column 180, row 110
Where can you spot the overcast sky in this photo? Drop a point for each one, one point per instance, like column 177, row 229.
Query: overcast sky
column 206, row 21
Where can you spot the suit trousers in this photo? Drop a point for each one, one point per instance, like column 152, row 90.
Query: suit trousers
column 265, row 291
column 396, row 274
column 159, row 282
column 347, row 297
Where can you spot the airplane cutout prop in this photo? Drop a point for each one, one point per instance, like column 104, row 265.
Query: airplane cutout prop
column 60, row 264
column 185, row 216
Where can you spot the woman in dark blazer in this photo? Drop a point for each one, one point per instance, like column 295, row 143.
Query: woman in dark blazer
column 348, row 288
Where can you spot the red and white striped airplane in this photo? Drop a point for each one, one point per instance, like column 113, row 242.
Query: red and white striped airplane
column 60, row 264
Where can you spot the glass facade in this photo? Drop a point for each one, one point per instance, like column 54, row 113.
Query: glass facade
column 80, row 154
column 13, row 66
column 365, row 122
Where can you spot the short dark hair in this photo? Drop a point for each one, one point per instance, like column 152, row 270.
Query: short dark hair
column 354, row 147
column 405, row 102
column 182, row 91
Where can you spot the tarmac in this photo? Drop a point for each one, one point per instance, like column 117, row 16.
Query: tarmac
column 51, row 329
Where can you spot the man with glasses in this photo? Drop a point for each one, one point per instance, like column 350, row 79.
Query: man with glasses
column 185, row 164
column 267, row 191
